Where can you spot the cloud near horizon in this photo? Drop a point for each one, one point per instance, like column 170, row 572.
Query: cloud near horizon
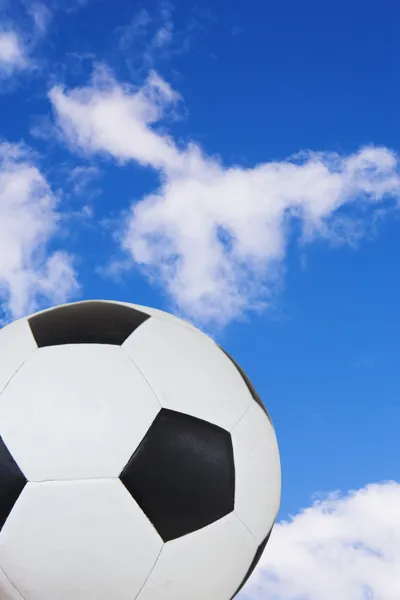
column 214, row 236
column 29, row 272
column 344, row 546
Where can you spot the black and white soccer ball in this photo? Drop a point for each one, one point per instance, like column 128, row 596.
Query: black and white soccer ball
column 136, row 459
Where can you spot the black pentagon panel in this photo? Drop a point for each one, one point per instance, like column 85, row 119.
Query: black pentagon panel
column 92, row 322
column 254, row 563
column 12, row 482
column 182, row 474
column 247, row 381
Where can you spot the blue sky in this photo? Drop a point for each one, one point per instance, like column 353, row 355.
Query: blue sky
column 237, row 164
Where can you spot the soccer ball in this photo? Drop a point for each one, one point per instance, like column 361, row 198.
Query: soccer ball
column 136, row 460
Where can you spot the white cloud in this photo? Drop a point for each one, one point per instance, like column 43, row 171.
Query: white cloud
column 18, row 40
column 29, row 219
column 213, row 235
column 345, row 546
column 13, row 55
column 95, row 119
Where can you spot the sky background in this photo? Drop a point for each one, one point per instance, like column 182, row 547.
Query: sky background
column 236, row 164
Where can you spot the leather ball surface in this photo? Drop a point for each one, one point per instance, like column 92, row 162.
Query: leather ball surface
column 136, row 459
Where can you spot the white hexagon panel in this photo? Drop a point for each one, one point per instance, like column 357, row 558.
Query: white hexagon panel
column 16, row 345
column 78, row 540
column 136, row 459
column 88, row 408
column 189, row 373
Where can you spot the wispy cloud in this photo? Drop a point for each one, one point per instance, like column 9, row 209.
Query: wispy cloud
column 18, row 40
column 63, row 6
column 13, row 55
column 345, row 546
column 80, row 178
column 21, row 36
column 41, row 16
column 215, row 235
column 29, row 272
column 135, row 30
column 152, row 38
